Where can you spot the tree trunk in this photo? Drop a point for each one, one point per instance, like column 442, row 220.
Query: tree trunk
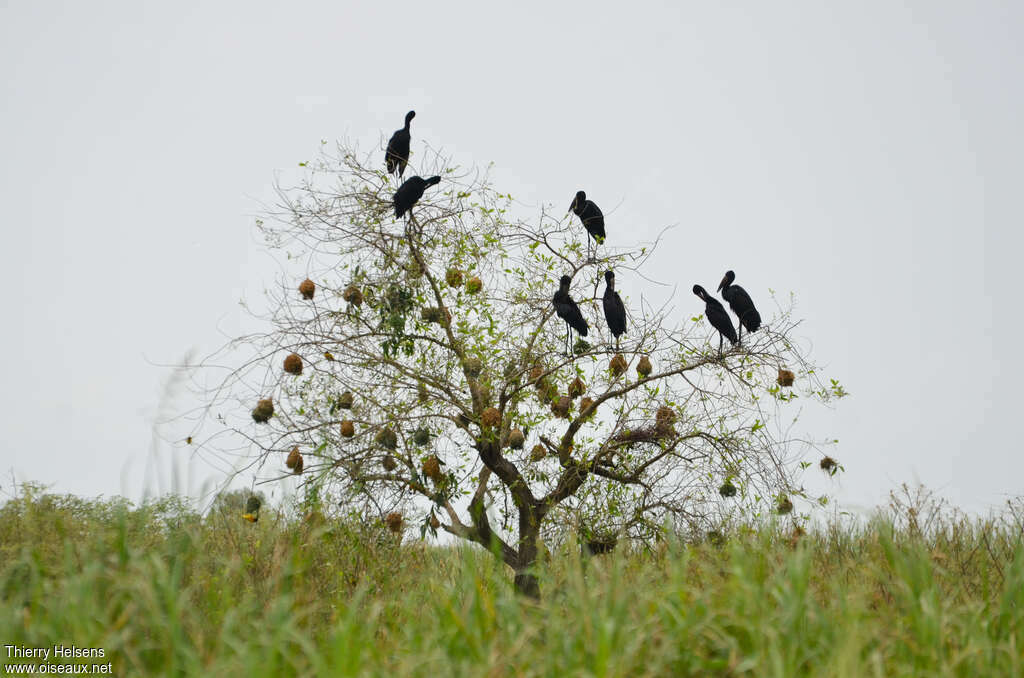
column 529, row 531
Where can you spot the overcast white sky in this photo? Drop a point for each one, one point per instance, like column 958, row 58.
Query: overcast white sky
column 866, row 156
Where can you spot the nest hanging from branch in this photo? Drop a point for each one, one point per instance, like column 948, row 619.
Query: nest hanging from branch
column 394, row 521
column 644, row 368
column 307, row 288
column 353, row 295
column 293, row 364
column 516, row 439
column 577, row 388
column 617, row 365
column 432, row 468
column 786, row 377
column 263, row 411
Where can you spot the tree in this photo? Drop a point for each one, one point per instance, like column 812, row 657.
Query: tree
column 430, row 385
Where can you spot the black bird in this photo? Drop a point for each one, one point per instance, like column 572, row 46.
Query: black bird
column 717, row 316
column 614, row 310
column 591, row 216
column 398, row 148
column 411, row 191
column 740, row 303
column 568, row 311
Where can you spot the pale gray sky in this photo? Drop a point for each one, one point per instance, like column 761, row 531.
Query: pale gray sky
column 866, row 156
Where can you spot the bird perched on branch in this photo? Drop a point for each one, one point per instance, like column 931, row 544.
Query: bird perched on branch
column 568, row 311
column 717, row 316
column 614, row 310
column 740, row 303
column 252, row 509
column 592, row 218
column 410, row 192
column 397, row 155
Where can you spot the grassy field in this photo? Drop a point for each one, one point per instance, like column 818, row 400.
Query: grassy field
column 916, row 592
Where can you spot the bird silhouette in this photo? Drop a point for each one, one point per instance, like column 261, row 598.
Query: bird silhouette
column 410, row 192
column 592, row 218
column 397, row 155
column 614, row 310
column 568, row 311
column 740, row 303
column 717, row 316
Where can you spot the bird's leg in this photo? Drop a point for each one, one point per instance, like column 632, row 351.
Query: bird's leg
column 739, row 337
column 721, row 338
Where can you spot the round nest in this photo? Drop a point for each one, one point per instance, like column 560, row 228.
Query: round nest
column 536, row 372
column 386, row 438
column 618, row 364
column 786, row 377
column 307, row 288
column 785, row 506
column 421, row 436
column 643, row 368
column 293, row 458
column 394, row 521
column 546, row 391
column 434, row 522
column 263, row 411
column 561, row 407
column 431, row 314
column 516, row 439
column 577, row 388
column 828, row 464
column 432, row 468
column 474, row 285
column 581, row 346
column 297, row 470
column 422, row 394
column 664, row 419
column 348, row 428
column 352, row 295
column 490, row 418
column 584, row 404
column 252, row 504
column 538, row 452
column 293, row 364
column 389, row 463
column 345, row 400
column 453, row 277
column 727, row 490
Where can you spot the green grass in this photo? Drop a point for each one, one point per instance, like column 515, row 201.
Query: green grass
column 167, row 592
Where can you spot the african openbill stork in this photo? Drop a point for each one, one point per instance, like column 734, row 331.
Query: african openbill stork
column 592, row 218
column 717, row 316
column 568, row 311
column 411, row 191
column 397, row 154
column 614, row 310
column 740, row 303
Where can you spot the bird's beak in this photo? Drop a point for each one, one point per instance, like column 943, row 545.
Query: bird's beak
column 721, row 285
column 572, row 205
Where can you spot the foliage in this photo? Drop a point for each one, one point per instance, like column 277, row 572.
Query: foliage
column 167, row 592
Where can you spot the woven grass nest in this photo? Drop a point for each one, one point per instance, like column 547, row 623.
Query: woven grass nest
column 432, row 468
column 353, row 295
column 389, row 463
column 453, row 277
column 577, row 388
column 263, row 411
column 786, row 377
column 516, row 439
column 727, row 489
column 394, row 521
column 538, row 452
column 490, row 417
column 345, row 400
column 307, row 288
column 644, row 368
column 784, row 506
column 584, row 404
column 665, row 419
column 348, row 428
column 561, row 407
column 474, row 285
column 386, row 438
column 295, row 461
column 827, row 464
column 474, row 366
column 617, row 365
column 421, row 436
column 293, row 364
